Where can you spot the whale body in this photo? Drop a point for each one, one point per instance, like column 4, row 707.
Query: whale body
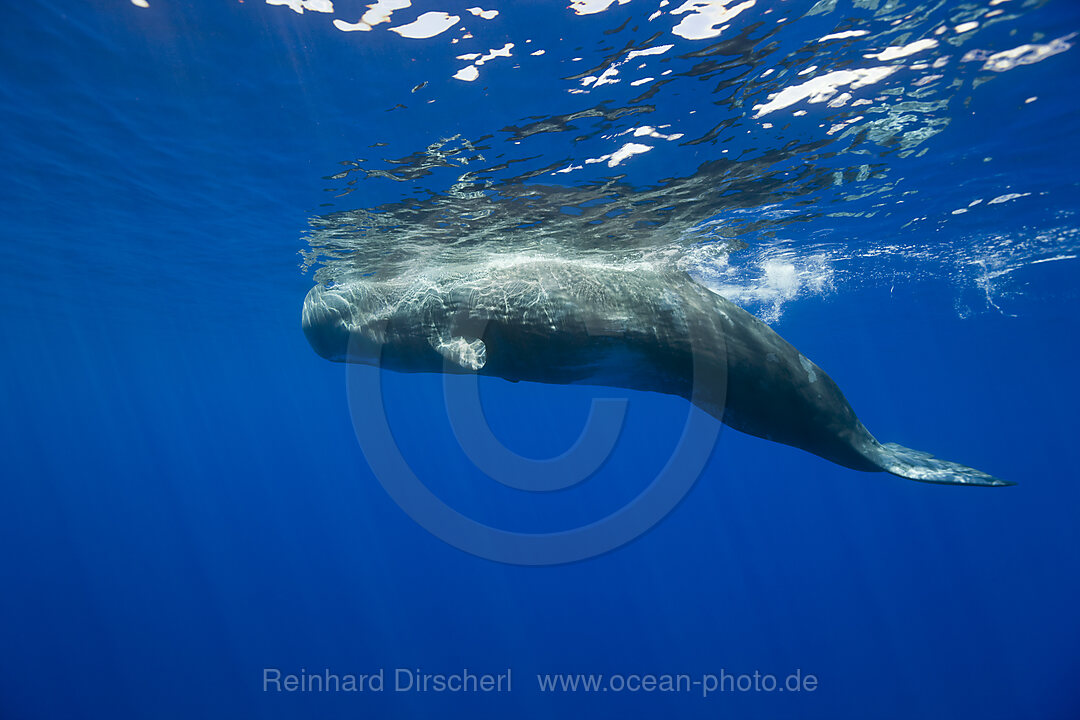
column 570, row 322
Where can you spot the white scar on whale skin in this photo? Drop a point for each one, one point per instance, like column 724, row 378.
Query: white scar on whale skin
column 566, row 322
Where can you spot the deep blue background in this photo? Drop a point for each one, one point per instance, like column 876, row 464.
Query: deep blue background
column 184, row 503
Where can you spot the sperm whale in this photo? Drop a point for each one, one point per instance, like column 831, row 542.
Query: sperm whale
column 567, row 322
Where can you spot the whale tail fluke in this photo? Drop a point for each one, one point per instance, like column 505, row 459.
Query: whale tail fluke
column 924, row 467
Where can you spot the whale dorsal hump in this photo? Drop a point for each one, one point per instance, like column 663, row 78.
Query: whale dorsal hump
column 467, row 354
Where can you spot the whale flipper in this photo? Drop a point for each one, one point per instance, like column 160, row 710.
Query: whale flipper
column 924, row 467
column 466, row 354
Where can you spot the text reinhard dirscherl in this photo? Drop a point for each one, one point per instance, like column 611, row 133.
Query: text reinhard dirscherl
column 401, row 680
column 467, row 681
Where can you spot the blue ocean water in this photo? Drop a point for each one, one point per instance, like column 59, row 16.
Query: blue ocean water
column 185, row 503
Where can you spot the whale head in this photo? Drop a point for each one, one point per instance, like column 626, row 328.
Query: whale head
column 332, row 320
